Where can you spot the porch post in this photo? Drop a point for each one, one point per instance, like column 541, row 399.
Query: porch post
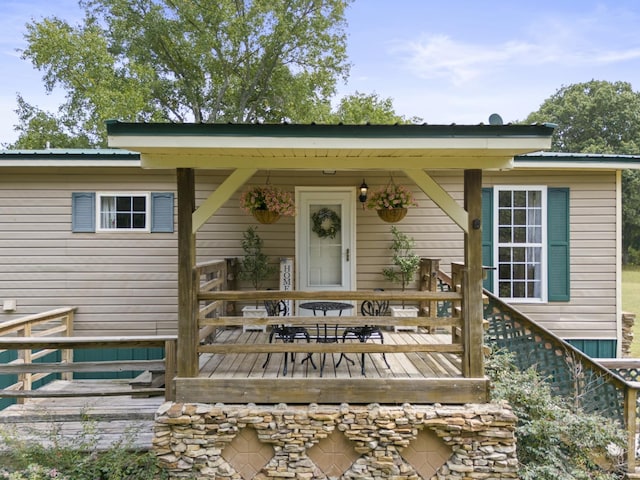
column 187, row 295
column 473, row 361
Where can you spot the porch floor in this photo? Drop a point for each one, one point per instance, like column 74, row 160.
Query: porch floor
column 401, row 365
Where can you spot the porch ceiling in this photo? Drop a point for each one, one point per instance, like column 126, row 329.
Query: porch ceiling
column 321, row 147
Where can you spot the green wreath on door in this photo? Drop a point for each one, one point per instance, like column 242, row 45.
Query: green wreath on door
column 326, row 223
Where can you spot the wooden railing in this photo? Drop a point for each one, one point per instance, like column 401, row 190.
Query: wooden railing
column 414, row 298
column 57, row 322
column 36, row 336
column 213, row 276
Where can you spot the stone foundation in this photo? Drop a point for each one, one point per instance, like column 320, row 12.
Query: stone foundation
column 412, row 442
column 628, row 321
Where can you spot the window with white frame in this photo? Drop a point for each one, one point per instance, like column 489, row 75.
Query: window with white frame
column 520, row 229
column 122, row 211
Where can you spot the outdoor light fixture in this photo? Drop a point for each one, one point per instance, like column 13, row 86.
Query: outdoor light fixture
column 363, row 192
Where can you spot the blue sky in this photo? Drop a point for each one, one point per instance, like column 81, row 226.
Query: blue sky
column 454, row 61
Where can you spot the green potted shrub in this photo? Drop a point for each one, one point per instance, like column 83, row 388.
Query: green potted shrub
column 254, row 268
column 406, row 265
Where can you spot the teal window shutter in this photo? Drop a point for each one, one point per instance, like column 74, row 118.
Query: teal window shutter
column 487, row 236
column 162, row 212
column 558, row 258
column 83, row 212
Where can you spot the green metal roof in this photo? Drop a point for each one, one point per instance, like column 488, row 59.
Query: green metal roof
column 79, row 153
column 115, row 127
column 69, row 157
column 566, row 160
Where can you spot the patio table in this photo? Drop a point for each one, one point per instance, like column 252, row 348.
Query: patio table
column 322, row 335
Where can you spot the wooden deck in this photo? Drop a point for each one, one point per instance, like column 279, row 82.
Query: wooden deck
column 83, row 421
column 421, row 369
column 401, row 365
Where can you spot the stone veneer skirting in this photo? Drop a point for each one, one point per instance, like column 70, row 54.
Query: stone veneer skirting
column 414, row 442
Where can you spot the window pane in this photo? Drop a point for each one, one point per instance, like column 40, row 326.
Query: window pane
column 123, row 220
column 139, row 204
column 519, row 216
column 535, row 198
column 504, row 255
column 518, row 272
column 504, row 235
column 138, row 220
column 520, row 235
column 519, row 290
column 504, row 217
column 519, row 198
column 123, row 204
column 504, row 199
column 505, row 272
column 535, row 235
column 519, row 255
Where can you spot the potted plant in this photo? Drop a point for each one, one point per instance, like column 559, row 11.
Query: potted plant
column 406, row 265
column 267, row 203
column 254, row 268
column 391, row 202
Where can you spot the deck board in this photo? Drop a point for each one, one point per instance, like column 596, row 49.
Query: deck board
column 70, row 421
column 403, row 365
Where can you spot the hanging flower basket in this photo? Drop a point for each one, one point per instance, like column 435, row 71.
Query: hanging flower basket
column 392, row 215
column 391, row 202
column 265, row 216
column 267, row 203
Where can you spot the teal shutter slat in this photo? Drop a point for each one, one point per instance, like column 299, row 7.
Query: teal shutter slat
column 487, row 236
column 83, row 212
column 558, row 245
column 162, row 212
column 596, row 348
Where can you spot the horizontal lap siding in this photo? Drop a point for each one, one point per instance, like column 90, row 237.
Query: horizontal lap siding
column 122, row 283
column 126, row 283
column 591, row 313
column 436, row 235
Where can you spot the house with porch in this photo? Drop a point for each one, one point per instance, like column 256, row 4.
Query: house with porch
column 546, row 225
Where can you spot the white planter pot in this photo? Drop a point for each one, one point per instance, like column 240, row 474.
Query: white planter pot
column 404, row 312
column 254, row 312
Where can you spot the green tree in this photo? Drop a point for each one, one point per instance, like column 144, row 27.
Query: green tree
column 368, row 108
column 600, row 117
column 201, row 61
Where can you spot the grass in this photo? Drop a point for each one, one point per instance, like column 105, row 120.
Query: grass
column 631, row 302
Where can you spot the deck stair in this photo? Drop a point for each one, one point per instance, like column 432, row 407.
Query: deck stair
column 96, row 421
column 607, row 387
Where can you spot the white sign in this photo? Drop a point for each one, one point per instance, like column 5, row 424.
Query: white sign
column 286, row 280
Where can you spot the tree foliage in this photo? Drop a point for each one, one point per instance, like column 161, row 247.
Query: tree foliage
column 593, row 117
column 368, row 108
column 190, row 60
column 601, row 117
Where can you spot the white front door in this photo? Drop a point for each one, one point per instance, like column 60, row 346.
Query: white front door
column 325, row 238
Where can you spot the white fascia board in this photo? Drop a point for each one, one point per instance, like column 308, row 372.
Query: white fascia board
column 141, row 143
column 69, row 163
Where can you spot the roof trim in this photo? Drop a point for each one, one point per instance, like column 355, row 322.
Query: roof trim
column 118, row 128
column 572, row 161
column 70, row 157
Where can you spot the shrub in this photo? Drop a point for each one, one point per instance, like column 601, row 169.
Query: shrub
column 55, row 457
column 555, row 440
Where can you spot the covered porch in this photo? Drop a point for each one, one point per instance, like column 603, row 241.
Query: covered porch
column 240, row 151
